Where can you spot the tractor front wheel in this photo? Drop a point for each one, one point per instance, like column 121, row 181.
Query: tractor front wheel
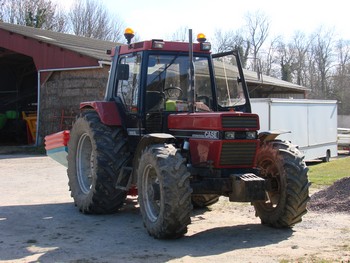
column 283, row 167
column 164, row 191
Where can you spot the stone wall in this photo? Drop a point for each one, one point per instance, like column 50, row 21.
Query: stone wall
column 62, row 93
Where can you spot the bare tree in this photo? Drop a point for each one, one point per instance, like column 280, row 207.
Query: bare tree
column 269, row 60
column 341, row 78
column 257, row 26
column 343, row 51
column 322, row 53
column 287, row 56
column 301, row 46
column 90, row 18
column 181, row 34
column 60, row 22
column 226, row 41
column 34, row 13
column 118, row 28
column 2, row 9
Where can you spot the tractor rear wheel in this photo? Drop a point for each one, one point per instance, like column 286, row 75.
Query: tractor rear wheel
column 96, row 153
column 164, row 191
column 282, row 165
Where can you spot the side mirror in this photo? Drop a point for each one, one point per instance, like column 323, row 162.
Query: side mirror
column 123, row 72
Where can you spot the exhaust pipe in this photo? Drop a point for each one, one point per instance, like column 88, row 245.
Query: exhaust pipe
column 191, row 88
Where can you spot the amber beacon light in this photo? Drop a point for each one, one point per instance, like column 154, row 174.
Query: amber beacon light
column 204, row 45
column 129, row 34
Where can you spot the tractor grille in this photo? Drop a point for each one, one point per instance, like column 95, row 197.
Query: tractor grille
column 239, row 122
column 239, row 154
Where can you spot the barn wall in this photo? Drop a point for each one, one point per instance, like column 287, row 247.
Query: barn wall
column 62, row 94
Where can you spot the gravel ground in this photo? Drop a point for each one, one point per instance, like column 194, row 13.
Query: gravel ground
column 333, row 199
column 39, row 223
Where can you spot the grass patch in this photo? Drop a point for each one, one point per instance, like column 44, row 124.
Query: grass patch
column 325, row 174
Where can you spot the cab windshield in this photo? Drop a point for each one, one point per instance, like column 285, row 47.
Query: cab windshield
column 168, row 83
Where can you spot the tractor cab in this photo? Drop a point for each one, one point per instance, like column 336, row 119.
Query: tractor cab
column 152, row 80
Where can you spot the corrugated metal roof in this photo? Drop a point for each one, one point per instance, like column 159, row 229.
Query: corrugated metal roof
column 252, row 77
column 94, row 48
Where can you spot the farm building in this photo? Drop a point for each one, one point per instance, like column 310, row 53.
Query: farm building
column 45, row 75
column 68, row 69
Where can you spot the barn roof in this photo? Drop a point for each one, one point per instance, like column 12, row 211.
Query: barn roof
column 93, row 48
column 252, row 78
column 263, row 85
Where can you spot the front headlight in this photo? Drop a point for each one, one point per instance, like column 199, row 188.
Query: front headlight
column 251, row 135
column 229, row 135
column 240, row 135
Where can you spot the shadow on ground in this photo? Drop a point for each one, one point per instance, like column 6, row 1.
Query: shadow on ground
column 57, row 232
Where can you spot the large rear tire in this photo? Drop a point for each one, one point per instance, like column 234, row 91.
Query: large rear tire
column 164, row 191
column 96, row 153
column 283, row 166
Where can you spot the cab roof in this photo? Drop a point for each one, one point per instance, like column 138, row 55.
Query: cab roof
column 160, row 45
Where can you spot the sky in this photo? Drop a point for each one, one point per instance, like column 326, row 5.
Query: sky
column 151, row 19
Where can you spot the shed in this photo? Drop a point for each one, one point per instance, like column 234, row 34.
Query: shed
column 67, row 68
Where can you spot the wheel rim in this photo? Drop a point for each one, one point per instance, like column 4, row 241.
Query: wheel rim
column 270, row 170
column 84, row 161
column 151, row 193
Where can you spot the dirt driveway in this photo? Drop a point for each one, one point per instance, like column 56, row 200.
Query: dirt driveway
column 39, row 223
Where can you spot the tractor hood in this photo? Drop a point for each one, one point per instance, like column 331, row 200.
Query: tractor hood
column 221, row 121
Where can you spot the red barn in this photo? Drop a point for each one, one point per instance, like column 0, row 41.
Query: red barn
column 43, row 76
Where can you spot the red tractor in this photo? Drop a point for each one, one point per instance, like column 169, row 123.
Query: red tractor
column 176, row 125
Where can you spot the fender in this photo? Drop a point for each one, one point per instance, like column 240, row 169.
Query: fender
column 148, row 139
column 106, row 110
column 266, row 136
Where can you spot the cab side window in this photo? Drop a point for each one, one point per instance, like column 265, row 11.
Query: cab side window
column 128, row 90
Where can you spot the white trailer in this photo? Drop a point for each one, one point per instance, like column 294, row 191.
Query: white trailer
column 312, row 124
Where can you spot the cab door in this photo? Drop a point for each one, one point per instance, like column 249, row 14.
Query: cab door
column 127, row 93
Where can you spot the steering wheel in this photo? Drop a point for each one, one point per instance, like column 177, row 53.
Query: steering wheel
column 173, row 92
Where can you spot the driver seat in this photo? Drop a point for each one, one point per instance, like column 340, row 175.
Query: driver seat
column 154, row 101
